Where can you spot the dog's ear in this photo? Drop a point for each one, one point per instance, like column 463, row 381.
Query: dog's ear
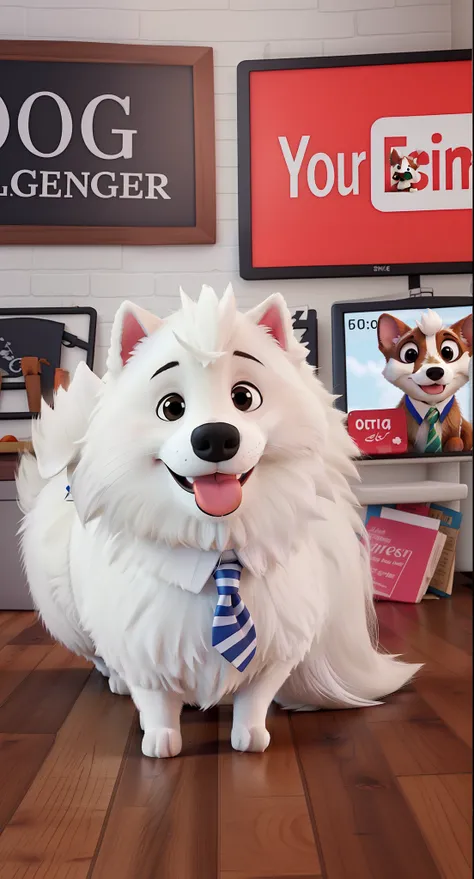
column 463, row 329
column 389, row 330
column 274, row 316
column 131, row 324
column 394, row 158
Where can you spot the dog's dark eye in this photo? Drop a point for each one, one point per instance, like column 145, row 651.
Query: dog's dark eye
column 246, row 397
column 398, row 167
column 450, row 351
column 171, row 407
column 409, row 353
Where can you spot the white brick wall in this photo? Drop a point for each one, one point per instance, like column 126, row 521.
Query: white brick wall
column 237, row 30
column 461, row 24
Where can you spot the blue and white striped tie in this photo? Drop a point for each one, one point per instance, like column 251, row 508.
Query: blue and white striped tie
column 233, row 631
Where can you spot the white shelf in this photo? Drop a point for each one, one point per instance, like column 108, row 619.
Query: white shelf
column 410, row 492
column 393, row 462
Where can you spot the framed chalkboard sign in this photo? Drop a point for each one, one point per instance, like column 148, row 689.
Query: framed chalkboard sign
column 106, row 144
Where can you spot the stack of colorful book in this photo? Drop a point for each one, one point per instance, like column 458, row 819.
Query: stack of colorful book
column 412, row 550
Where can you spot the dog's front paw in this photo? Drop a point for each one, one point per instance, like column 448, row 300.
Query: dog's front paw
column 256, row 739
column 162, row 742
column 454, row 444
column 117, row 685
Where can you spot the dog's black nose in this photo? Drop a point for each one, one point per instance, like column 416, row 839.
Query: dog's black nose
column 435, row 373
column 215, row 442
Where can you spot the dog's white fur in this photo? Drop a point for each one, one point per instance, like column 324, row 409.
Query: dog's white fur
column 95, row 566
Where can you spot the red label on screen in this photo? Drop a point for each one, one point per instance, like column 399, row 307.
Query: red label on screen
column 378, row 431
column 321, row 175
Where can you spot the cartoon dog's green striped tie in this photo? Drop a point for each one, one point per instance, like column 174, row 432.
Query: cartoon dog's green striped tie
column 433, row 440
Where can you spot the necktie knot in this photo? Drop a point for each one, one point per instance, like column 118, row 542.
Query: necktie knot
column 233, row 631
column 227, row 575
column 433, row 440
column 432, row 416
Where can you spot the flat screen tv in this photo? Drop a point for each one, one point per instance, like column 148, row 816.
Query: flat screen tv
column 355, row 165
column 409, row 354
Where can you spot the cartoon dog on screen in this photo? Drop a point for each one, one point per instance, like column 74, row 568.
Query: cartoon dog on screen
column 404, row 173
column 429, row 364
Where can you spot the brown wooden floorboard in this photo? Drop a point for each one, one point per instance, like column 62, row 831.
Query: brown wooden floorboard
column 163, row 819
column 404, row 620
column 262, row 804
column 442, row 805
column 34, row 634
column 377, row 793
column 11, row 624
column 451, row 698
column 55, row 829
column 441, row 618
column 16, row 663
column 41, row 703
column 360, row 814
column 20, row 759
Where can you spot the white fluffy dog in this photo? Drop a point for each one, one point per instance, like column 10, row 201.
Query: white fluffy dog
column 208, row 433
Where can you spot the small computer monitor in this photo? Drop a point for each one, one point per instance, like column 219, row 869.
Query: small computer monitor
column 412, row 354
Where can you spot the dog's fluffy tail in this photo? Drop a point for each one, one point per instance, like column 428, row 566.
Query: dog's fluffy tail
column 324, row 681
column 56, row 435
column 345, row 669
column 29, row 483
column 59, row 430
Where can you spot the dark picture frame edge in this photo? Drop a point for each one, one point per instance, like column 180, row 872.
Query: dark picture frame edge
column 200, row 58
column 247, row 271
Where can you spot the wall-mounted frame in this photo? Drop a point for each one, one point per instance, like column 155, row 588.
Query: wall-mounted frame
column 69, row 336
column 316, row 196
column 106, row 144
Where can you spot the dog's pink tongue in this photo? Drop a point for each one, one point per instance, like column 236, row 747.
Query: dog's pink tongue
column 219, row 494
column 432, row 389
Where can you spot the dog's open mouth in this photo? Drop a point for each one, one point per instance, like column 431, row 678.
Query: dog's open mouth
column 432, row 389
column 218, row 494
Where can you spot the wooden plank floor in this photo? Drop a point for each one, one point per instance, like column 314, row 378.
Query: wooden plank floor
column 379, row 793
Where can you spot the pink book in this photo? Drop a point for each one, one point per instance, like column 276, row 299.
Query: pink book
column 403, row 558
